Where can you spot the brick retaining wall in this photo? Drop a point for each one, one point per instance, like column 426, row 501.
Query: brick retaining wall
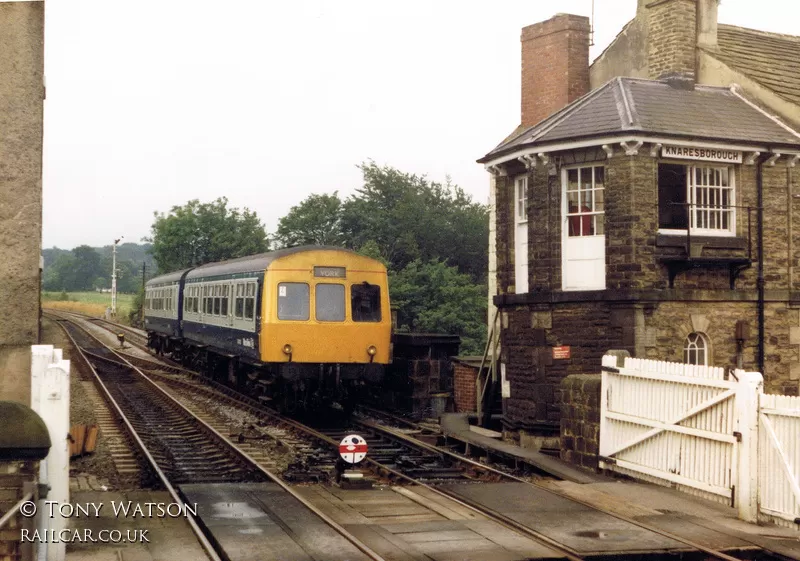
column 464, row 376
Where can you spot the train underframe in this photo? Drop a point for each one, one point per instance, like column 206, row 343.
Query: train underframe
column 287, row 386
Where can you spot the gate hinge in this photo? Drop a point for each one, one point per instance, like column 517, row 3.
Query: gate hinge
column 738, row 436
column 607, row 460
column 609, row 369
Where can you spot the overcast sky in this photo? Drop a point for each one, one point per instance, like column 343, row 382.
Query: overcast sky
column 156, row 102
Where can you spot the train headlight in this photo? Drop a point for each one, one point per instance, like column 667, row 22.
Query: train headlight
column 372, row 350
column 287, row 349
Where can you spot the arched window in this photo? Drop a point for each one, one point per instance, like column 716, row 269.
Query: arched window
column 695, row 350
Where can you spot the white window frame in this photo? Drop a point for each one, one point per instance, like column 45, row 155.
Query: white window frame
column 521, row 220
column 593, row 213
column 521, row 200
column 691, row 196
column 689, row 346
column 568, row 281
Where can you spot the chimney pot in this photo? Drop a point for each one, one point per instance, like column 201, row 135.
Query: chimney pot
column 707, row 23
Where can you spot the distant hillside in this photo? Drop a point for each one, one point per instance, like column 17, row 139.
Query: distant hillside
column 88, row 268
column 137, row 253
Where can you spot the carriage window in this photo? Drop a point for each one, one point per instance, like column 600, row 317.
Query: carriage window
column 238, row 310
column 224, row 307
column 194, row 304
column 238, row 301
column 329, row 304
column 366, row 302
column 216, row 306
column 250, row 300
column 293, row 301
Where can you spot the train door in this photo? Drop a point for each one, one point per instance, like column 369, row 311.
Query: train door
column 228, row 297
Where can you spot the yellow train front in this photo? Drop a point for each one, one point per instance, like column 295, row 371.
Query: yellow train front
column 298, row 326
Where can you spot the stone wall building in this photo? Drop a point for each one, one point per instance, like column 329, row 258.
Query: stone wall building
column 21, row 126
column 648, row 202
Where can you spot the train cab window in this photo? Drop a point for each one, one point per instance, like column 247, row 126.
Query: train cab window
column 329, row 304
column 293, row 301
column 365, row 300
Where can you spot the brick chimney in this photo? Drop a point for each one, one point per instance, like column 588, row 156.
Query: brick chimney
column 675, row 29
column 555, row 65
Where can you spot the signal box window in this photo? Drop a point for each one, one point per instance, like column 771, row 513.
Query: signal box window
column 586, row 201
column 293, row 301
column 698, row 197
column 366, row 302
column 329, row 302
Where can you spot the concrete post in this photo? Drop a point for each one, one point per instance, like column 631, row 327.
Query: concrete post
column 751, row 385
column 50, row 385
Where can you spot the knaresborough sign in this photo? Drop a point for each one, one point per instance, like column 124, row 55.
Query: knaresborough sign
column 700, row 153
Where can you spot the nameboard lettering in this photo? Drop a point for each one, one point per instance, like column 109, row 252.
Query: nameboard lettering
column 703, row 154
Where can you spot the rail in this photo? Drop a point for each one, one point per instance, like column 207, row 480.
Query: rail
column 210, row 550
column 483, row 407
column 8, row 516
column 567, row 552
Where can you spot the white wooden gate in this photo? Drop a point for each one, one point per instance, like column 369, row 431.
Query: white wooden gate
column 779, row 458
column 671, row 422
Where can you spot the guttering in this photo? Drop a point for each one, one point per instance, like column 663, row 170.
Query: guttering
column 681, row 140
column 760, row 277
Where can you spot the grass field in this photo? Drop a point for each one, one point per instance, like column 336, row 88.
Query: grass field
column 89, row 303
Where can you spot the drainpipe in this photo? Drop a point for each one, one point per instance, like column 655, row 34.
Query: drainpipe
column 760, row 278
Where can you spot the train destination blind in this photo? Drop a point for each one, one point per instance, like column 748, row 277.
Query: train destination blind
column 330, row 272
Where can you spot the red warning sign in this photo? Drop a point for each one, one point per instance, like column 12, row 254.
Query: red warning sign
column 353, row 448
column 562, row 352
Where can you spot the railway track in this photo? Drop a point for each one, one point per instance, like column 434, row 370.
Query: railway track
column 178, row 445
column 394, row 455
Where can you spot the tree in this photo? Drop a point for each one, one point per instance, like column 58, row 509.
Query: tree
column 87, row 267
column 135, row 315
column 195, row 233
column 410, row 218
column 431, row 236
column 61, row 274
column 315, row 221
column 434, row 297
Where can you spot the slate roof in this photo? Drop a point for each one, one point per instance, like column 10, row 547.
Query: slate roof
column 771, row 59
column 639, row 106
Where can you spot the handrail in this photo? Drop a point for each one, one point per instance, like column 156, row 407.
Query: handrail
column 710, row 206
column 492, row 342
column 15, row 509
